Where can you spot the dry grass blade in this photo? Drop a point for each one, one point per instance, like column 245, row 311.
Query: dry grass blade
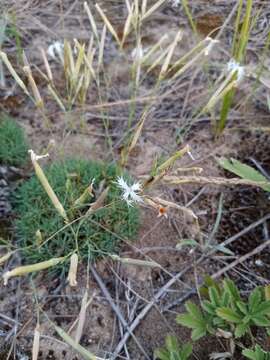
column 153, row 9
column 108, row 24
column 38, row 100
column 154, row 48
column 77, row 347
column 125, row 154
column 47, row 187
column 211, row 180
column 87, row 305
column 127, row 25
column 169, row 162
column 99, row 202
column 81, row 320
column 35, row 348
column 47, row 65
column 79, row 61
column 101, row 47
column 129, row 261
column 56, row 98
column 91, row 19
column 11, row 69
column 167, row 61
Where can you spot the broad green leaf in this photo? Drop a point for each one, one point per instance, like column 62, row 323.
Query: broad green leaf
column 257, row 354
column 261, row 320
column 186, row 351
column 248, row 354
column 189, row 321
column 162, row 354
column 242, row 307
column 214, row 297
column 208, row 307
column 244, row 171
column 194, row 310
column 229, row 315
column 262, row 309
column 198, row 333
column 240, row 330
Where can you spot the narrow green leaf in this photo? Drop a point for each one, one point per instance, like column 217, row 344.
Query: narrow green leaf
column 198, row 333
column 194, row 310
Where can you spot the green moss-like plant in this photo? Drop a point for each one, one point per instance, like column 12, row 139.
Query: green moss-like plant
column 95, row 235
column 13, row 144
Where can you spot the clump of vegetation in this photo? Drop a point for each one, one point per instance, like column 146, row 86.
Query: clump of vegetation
column 225, row 310
column 173, row 350
column 42, row 232
column 257, row 354
column 13, row 145
column 225, row 314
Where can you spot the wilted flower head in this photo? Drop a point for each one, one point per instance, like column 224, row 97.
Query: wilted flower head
column 129, row 192
column 35, row 157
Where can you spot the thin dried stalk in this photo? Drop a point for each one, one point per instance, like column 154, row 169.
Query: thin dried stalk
column 134, row 139
column 138, row 262
column 38, row 100
column 153, row 9
column 77, row 347
column 127, row 26
column 108, row 24
column 82, row 317
column 101, row 47
column 211, row 180
column 177, row 155
column 99, row 202
column 91, row 19
column 154, row 48
column 56, row 98
column 35, row 348
column 46, row 64
column 167, row 61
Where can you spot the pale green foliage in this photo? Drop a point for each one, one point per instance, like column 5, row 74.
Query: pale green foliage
column 246, row 172
column 173, row 350
column 257, row 354
column 225, row 310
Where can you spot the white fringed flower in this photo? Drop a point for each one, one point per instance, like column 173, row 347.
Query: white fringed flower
column 175, row 3
column 234, row 66
column 129, row 192
column 56, row 49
